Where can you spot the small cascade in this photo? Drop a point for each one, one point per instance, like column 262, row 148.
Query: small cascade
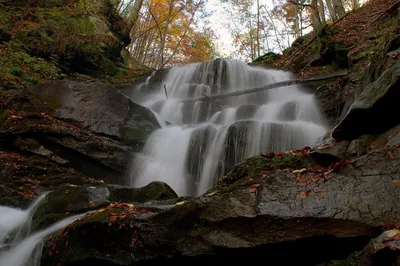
column 28, row 251
column 15, row 223
column 17, row 246
column 204, row 139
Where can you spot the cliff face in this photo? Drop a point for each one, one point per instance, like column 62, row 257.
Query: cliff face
column 73, row 130
column 45, row 40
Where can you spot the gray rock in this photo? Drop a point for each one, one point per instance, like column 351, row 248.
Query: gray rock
column 372, row 112
column 154, row 191
column 356, row 148
column 99, row 107
column 267, row 215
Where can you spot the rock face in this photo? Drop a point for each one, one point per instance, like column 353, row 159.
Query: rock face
column 372, row 112
column 80, row 129
column 99, row 107
column 72, row 199
column 153, row 191
column 315, row 214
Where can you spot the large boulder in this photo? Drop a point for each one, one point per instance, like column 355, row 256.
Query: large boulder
column 70, row 200
column 284, row 215
column 372, row 112
column 98, row 106
column 154, row 191
column 85, row 129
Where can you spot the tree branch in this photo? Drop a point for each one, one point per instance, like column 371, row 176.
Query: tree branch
column 267, row 87
column 298, row 4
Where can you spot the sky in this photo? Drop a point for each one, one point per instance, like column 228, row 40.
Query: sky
column 218, row 21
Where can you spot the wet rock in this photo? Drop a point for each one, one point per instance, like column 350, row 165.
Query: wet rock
column 330, row 154
column 99, row 107
column 384, row 249
column 76, row 199
column 246, row 111
column 371, row 113
column 199, row 144
column 235, row 145
column 314, row 214
column 34, row 146
column 80, row 130
column 154, row 191
column 69, row 200
column 22, row 178
column 356, row 148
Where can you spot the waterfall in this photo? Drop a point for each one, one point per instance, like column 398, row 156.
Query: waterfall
column 15, row 223
column 17, row 246
column 28, row 251
column 205, row 139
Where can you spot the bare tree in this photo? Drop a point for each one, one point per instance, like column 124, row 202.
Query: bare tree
column 339, row 9
column 331, row 10
column 134, row 14
column 315, row 17
column 354, row 4
column 321, row 11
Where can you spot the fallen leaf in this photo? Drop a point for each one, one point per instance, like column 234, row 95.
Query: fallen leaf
column 212, row 193
column 396, row 182
column 299, row 171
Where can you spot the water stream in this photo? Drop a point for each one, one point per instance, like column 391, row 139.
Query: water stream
column 17, row 246
column 202, row 140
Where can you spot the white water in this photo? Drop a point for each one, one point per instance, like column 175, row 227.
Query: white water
column 28, row 251
column 16, row 222
column 17, row 246
column 206, row 139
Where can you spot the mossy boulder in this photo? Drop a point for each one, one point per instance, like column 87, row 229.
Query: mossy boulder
column 72, row 199
column 372, row 112
column 69, row 200
column 154, row 191
column 258, row 166
column 313, row 214
column 99, row 106
column 46, row 40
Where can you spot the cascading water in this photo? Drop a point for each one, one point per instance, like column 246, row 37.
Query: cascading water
column 204, row 139
column 17, row 246
column 16, row 223
column 28, row 252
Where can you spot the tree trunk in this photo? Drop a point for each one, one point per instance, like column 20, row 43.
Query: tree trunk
column 160, row 58
column 331, row 10
column 297, row 22
column 134, row 15
column 315, row 18
column 267, row 87
column 354, row 4
column 258, row 28
column 339, row 9
column 321, row 11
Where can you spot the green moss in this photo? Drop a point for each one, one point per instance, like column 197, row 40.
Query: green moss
column 97, row 217
column 3, row 114
column 47, row 220
column 197, row 230
column 19, row 68
column 5, row 19
column 136, row 132
column 253, row 167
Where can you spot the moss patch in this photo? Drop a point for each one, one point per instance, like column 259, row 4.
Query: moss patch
column 255, row 167
column 44, row 40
